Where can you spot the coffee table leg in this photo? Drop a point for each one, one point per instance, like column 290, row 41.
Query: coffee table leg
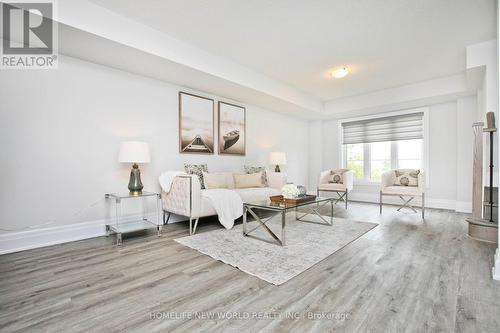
column 283, row 223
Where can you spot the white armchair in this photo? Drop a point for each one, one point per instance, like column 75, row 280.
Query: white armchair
column 406, row 193
column 342, row 189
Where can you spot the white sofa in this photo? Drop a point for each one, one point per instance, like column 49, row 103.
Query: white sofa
column 185, row 197
column 342, row 189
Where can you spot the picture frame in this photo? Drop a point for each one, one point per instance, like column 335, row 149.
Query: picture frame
column 231, row 129
column 196, row 124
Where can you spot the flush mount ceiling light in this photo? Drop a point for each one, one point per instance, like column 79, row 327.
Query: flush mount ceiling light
column 340, row 72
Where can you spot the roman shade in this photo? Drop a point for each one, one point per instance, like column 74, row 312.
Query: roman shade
column 393, row 128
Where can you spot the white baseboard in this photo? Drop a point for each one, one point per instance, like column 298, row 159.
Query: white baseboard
column 429, row 202
column 31, row 239
column 35, row 238
column 464, row 207
column 496, row 268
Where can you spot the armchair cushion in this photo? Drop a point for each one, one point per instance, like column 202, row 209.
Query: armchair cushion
column 402, row 190
column 332, row 187
column 347, row 180
column 406, row 177
column 387, row 185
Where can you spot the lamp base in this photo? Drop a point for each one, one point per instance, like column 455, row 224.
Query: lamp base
column 135, row 184
column 135, row 192
column 277, row 168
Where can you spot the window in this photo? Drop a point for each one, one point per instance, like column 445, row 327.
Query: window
column 354, row 159
column 380, row 158
column 374, row 146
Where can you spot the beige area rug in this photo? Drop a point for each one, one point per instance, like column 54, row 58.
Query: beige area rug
column 306, row 245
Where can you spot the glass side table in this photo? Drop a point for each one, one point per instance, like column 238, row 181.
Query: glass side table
column 122, row 226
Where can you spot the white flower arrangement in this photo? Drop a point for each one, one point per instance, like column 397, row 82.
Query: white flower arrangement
column 290, row 191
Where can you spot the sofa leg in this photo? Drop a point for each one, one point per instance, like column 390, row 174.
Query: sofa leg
column 192, row 229
column 166, row 217
column 380, row 202
column 195, row 225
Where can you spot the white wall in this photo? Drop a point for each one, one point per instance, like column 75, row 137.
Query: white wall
column 61, row 131
column 466, row 115
column 316, row 153
column 496, row 268
column 450, row 155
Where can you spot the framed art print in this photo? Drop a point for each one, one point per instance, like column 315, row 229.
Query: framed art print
column 232, row 129
column 196, row 124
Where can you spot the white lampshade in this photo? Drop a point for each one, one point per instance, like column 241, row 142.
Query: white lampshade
column 277, row 158
column 134, row 152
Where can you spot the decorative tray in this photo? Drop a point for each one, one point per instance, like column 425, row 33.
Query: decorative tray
column 280, row 199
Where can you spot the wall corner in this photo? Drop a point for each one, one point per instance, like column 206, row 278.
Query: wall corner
column 496, row 268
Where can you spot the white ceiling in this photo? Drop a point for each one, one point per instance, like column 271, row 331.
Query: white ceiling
column 388, row 43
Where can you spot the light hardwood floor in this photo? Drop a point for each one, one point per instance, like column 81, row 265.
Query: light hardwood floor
column 405, row 275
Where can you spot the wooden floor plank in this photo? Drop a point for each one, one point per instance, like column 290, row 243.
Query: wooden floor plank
column 406, row 275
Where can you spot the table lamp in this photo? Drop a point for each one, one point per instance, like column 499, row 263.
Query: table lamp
column 134, row 152
column 277, row 158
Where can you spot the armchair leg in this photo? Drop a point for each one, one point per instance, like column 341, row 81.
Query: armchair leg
column 380, row 202
column 423, row 206
column 346, row 197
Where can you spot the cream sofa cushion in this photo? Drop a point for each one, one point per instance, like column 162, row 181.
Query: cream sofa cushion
column 247, row 180
column 215, row 180
column 262, row 170
column 256, row 194
column 229, row 180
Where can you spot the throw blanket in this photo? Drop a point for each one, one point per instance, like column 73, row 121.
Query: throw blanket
column 167, row 178
column 227, row 204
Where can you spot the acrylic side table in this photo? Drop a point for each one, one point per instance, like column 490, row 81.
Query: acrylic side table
column 122, row 226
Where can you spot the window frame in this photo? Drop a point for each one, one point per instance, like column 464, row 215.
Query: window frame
column 394, row 150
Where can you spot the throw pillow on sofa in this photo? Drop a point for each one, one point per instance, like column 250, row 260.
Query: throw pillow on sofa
column 214, row 180
column 406, row 177
column 247, row 180
column 196, row 169
column 250, row 170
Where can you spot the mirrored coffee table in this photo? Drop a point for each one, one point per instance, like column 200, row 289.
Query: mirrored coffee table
column 309, row 208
